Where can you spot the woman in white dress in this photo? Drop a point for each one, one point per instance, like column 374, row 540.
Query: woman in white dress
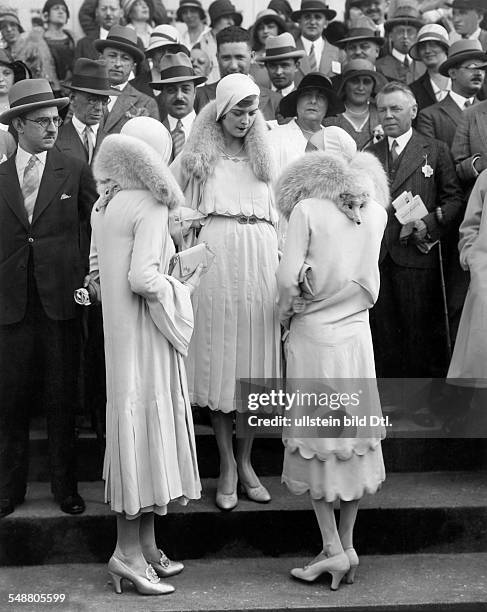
column 226, row 171
column 328, row 279
column 150, row 457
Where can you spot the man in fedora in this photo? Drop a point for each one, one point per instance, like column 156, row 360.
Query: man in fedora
column 223, row 14
column 107, row 14
column 90, row 89
column 282, row 60
column 402, row 28
column 235, row 55
column 121, row 53
column 45, row 204
column 178, row 87
column 320, row 55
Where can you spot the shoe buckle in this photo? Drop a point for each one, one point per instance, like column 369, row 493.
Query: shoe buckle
column 152, row 577
column 165, row 562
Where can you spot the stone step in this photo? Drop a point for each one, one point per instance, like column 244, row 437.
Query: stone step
column 435, row 512
column 391, row 583
column 410, row 449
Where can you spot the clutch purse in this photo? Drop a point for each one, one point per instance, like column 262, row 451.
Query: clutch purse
column 304, row 281
column 183, row 264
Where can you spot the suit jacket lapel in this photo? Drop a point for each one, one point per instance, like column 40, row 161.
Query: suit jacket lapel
column 480, row 118
column 413, row 156
column 450, row 107
column 52, row 179
column 11, row 191
column 121, row 106
column 304, row 66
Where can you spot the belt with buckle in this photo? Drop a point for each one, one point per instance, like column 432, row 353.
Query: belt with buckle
column 244, row 220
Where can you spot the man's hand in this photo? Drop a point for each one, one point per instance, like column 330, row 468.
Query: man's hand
column 480, row 164
column 90, row 285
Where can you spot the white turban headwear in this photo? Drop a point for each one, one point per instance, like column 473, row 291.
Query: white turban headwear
column 152, row 132
column 231, row 90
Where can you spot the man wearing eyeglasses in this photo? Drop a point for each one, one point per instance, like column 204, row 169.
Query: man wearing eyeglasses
column 45, row 204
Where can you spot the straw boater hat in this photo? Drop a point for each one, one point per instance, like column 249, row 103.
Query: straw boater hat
column 362, row 28
column 122, row 38
column 281, row 47
column 223, row 8
column 20, row 70
column 357, row 67
column 431, row 32
column 460, row 51
column 189, row 4
column 91, row 76
column 27, row 95
column 176, row 68
column 312, row 80
column 9, row 15
column 314, row 6
column 406, row 12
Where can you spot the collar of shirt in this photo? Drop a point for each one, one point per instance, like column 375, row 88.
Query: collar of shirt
column 113, row 99
column 401, row 140
column 475, row 35
column 460, row 100
column 440, row 94
column 319, row 45
column 80, row 127
column 22, row 159
column 186, row 121
column 103, row 34
column 381, row 29
column 285, row 91
column 401, row 56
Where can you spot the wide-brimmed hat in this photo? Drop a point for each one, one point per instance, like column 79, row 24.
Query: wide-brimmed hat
column 28, row 95
column 473, row 5
column 281, row 47
column 189, row 4
column 362, row 28
column 20, row 70
column 9, row 15
column 222, row 8
column 406, row 12
column 312, row 80
column 122, row 38
column 314, row 6
column 356, row 67
column 50, row 3
column 431, row 32
column 177, row 68
column 91, row 76
column 460, row 51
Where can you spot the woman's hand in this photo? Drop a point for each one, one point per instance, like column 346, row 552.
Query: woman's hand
column 194, row 280
column 91, row 286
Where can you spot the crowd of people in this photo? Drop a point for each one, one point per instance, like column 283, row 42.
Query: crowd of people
column 327, row 170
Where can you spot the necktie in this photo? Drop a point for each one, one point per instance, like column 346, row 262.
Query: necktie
column 406, row 61
column 30, row 186
column 88, row 142
column 178, row 138
column 467, row 104
column 312, row 59
column 394, row 153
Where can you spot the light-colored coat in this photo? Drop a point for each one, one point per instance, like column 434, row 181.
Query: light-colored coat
column 150, row 456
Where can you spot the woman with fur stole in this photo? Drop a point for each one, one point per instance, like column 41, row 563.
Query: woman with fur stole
column 150, row 456
column 225, row 171
column 328, row 279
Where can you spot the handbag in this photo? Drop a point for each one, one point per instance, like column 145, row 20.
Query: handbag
column 182, row 265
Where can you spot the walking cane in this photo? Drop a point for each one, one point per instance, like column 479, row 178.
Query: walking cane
column 441, row 220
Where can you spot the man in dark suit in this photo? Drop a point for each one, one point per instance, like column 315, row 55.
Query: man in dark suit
column 107, row 14
column 407, row 321
column 121, row 52
column 234, row 54
column 45, row 203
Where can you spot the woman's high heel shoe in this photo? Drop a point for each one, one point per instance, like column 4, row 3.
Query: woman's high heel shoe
column 354, row 563
column 257, row 494
column 337, row 566
column 165, row 567
column 149, row 584
column 226, row 501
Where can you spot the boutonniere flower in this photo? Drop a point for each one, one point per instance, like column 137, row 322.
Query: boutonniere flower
column 137, row 111
column 378, row 133
column 427, row 170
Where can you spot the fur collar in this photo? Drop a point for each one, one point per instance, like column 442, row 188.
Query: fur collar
column 202, row 150
column 133, row 164
column 324, row 176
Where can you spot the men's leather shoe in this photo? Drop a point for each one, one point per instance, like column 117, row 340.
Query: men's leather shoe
column 73, row 504
column 6, row 507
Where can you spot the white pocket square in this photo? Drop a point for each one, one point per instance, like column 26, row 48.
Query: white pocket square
column 65, row 196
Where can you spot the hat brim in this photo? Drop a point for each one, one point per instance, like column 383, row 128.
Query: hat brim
column 197, row 80
column 290, row 55
column 237, row 18
column 288, row 104
column 111, row 91
column 328, row 13
column 379, row 40
column 458, row 58
column 346, row 76
column 21, row 29
column 408, row 21
column 414, row 48
column 181, row 8
column 11, row 113
column 275, row 18
column 135, row 52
